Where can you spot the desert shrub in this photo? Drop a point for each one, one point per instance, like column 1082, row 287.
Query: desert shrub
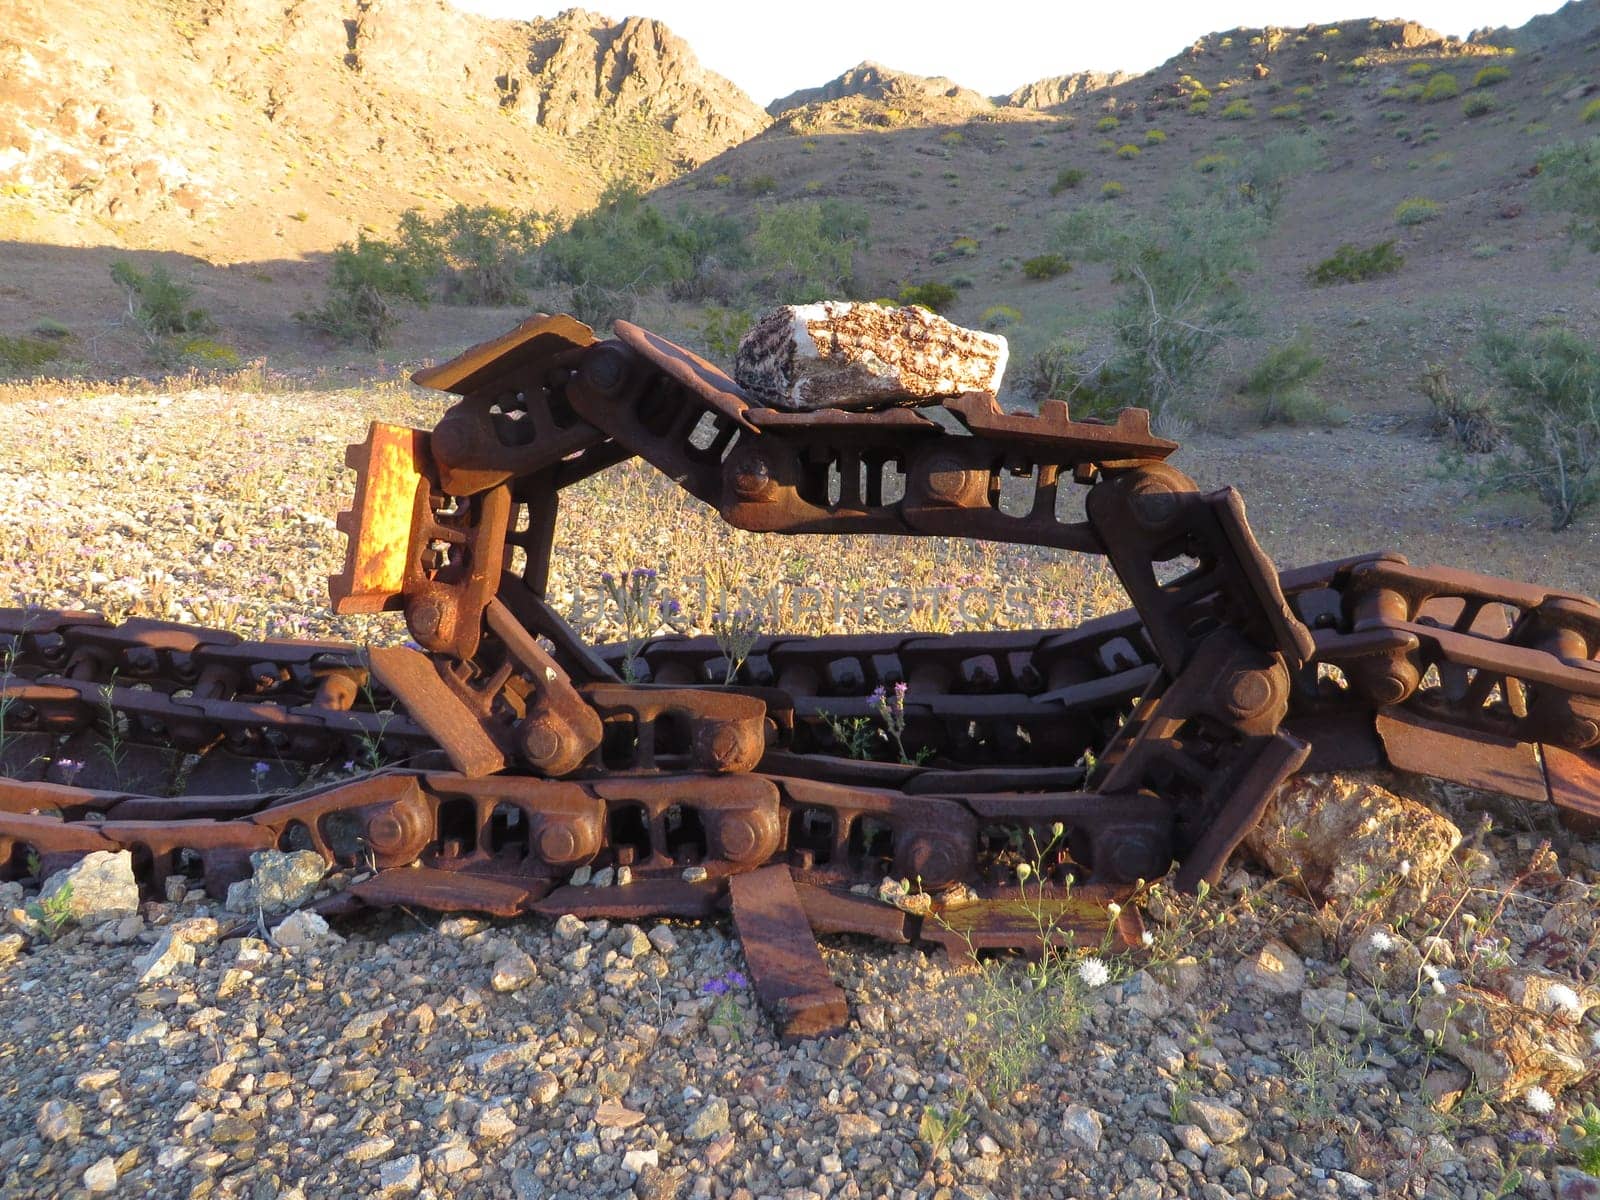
column 1417, row 69
column 366, row 280
column 1478, row 105
column 1591, row 112
column 1468, row 422
column 1128, row 151
column 1414, row 210
column 1208, row 163
column 204, row 352
column 1106, row 124
column 722, row 329
column 806, row 251
column 1351, row 263
column 935, row 296
column 1066, row 179
column 1054, row 372
column 1569, row 182
column 477, row 254
column 757, row 185
column 1154, row 137
column 965, row 246
column 1491, row 75
column 1304, row 92
column 1045, row 266
column 1440, row 86
column 21, row 355
column 1181, row 294
column 722, row 180
column 1286, row 112
column 1263, row 176
column 953, row 137
column 1280, row 384
column 1199, row 107
column 1000, row 316
column 1107, row 146
column 1238, row 110
column 1111, row 189
column 1550, row 410
column 157, row 302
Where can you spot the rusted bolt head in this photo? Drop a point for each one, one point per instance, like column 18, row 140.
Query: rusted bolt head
column 425, row 617
column 727, row 746
column 1384, row 680
column 751, row 476
column 932, row 860
column 541, row 742
column 558, row 843
column 1247, row 694
column 947, row 479
column 740, row 838
column 604, row 369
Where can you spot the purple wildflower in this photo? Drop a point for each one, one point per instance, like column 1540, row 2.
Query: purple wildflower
column 737, row 979
column 717, row 987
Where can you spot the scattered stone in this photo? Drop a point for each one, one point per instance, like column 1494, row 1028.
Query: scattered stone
column 514, row 971
column 1573, row 1184
column 1193, row 1139
column 59, row 1120
column 102, row 1176
column 1386, row 958
column 400, row 1175
column 462, row 927
column 637, row 1160
column 611, row 1115
column 1336, row 1006
column 1343, row 835
column 498, row 1058
column 1444, row 1087
column 452, row 1157
column 96, row 1081
column 581, row 877
column 605, row 877
column 543, row 1088
column 493, row 1124
column 1547, row 993
column 711, row 1120
column 1508, row 1048
column 853, row 1127
column 304, row 931
column 663, row 939
column 1222, row 1123
column 1083, row 1126
column 279, row 882
column 569, row 928
column 166, row 956
column 370, row 1149
column 840, row 354
column 11, row 945
column 1274, row 969
column 695, row 874
column 624, row 876
column 96, row 888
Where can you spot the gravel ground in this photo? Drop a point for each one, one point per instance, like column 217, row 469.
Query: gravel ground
column 393, row 1063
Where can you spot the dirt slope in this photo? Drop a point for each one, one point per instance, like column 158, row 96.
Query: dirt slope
column 257, row 129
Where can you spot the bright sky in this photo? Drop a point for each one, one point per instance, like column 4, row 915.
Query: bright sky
column 772, row 49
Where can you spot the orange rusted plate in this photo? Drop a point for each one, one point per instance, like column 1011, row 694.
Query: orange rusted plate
column 705, row 379
column 389, row 479
column 786, row 967
column 1468, row 757
column 416, row 684
column 538, row 338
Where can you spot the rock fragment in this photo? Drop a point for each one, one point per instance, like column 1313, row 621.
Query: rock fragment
column 98, row 887
column 278, row 882
column 304, row 931
column 840, row 354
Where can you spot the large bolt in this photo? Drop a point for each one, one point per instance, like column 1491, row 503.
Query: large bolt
column 605, row 369
column 558, row 843
column 947, row 480
column 1247, row 694
column 751, row 476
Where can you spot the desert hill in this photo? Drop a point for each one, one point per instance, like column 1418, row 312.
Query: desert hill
column 253, row 129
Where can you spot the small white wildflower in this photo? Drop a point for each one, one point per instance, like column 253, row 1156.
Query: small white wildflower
column 1023, row 871
column 1438, row 987
column 1380, row 941
column 1149, row 939
column 1405, row 867
column 1539, row 1100
column 1431, row 971
column 1560, row 997
column 1093, row 972
column 1113, row 909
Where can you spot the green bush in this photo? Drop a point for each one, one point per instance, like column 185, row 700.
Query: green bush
column 1199, row 107
column 1550, row 411
column 966, row 247
column 723, row 329
column 1304, row 92
column 1490, row 76
column 1280, row 384
column 1441, row 86
column 1414, row 210
column 157, row 302
column 1111, row 189
column 1351, row 263
column 1066, row 179
column 1569, row 183
column 1418, row 69
column 1181, row 295
column 1208, row 163
column 1286, row 112
column 1045, row 266
column 1106, row 124
column 1591, row 111
column 757, row 185
column 1264, row 175
column 953, row 137
column 203, row 352
column 1478, row 105
column 1238, row 110
column 477, row 254
column 22, row 355
column 1000, row 316
column 367, row 279
column 934, row 296
column 806, row 250
column 1128, row 151
column 1154, row 137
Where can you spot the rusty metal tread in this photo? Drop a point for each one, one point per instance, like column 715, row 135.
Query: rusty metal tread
column 786, row 968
